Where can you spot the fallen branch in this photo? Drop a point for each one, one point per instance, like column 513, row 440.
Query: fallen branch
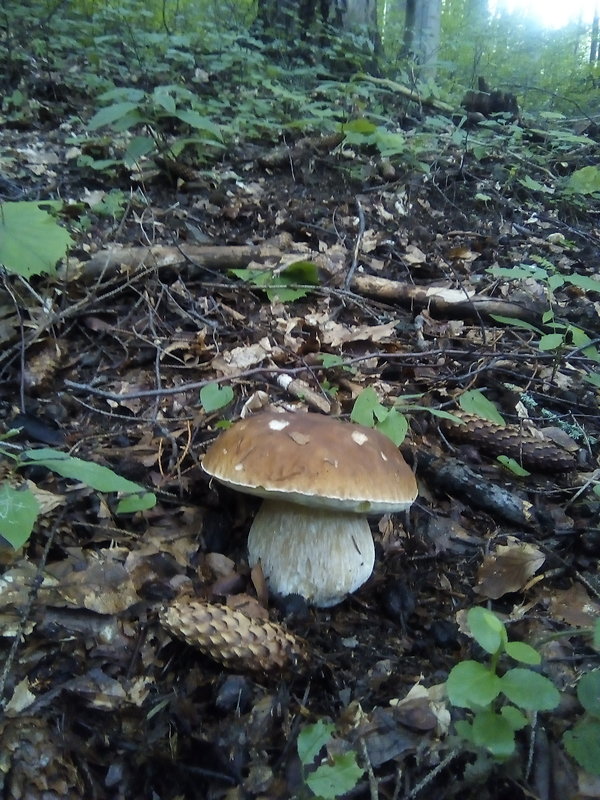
column 450, row 302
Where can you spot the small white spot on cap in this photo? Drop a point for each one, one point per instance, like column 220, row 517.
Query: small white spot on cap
column 383, row 456
column 278, row 424
column 359, row 437
column 239, row 467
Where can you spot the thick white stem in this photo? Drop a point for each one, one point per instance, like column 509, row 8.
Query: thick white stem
column 321, row 555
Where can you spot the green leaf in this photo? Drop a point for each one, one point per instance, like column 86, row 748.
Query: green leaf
column 529, row 690
column 474, row 402
column 110, row 114
column 516, row 323
column 100, row 478
column 364, row 406
column 438, row 412
column 31, row 241
column 519, row 273
column 551, row 341
column 588, row 692
column 530, row 183
column 331, row 781
column 515, row 718
column 523, row 652
column 200, row 123
column 19, row 509
column 593, row 378
column 471, row 685
column 213, row 397
column 312, row 739
column 487, row 630
column 584, row 181
column 138, row 147
column 596, row 634
column 361, row 125
column 583, row 282
column 394, row 426
column 583, row 743
column 136, row 502
column 330, row 360
column 494, row 732
column 513, row 466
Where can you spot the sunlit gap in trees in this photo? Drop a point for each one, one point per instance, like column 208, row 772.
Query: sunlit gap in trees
column 548, row 13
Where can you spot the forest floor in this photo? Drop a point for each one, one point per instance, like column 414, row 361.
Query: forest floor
column 106, row 361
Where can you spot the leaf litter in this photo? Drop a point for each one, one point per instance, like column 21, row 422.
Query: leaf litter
column 98, row 699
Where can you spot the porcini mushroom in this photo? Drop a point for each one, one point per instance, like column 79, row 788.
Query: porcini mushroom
column 319, row 478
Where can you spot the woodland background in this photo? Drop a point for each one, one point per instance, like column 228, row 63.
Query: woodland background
column 386, row 212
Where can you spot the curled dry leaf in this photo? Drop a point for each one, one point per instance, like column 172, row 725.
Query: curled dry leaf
column 231, row 637
column 508, row 569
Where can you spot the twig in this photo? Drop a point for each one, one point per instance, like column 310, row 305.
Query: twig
column 35, row 586
column 357, row 244
column 434, row 772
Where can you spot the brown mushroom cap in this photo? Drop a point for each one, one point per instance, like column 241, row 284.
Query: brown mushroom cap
column 312, row 460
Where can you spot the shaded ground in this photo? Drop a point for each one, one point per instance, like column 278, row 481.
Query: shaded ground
column 99, row 700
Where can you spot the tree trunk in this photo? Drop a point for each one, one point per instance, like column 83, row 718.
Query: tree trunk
column 426, row 40
column 594, row 38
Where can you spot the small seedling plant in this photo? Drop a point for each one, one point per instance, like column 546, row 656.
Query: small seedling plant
column 338, row 775
column 19, row 506
column 583, row 740
column 498, row 699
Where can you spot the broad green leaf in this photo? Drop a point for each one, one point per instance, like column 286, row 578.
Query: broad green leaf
column 583, row 282
column 213, row 397
column 494, row 732
column 551, row 341
column 364, row 406
column 516, row 323
column 534, row 185
column 584, row 181
column 588, row 692
column 330, row 360
column 136, row 502
column 515, row 718
column 312, row 739
column 519, row 273
column 523, row 652
column 305, row 272
column 331, row 781
column 361, row 125
column 438, row 412
column 593, row 378
column 200, row 123
column 19, row 509
column 394, row 426
column 110, row 114
column 471, row 684
column 513, row 465
column 487, row 630
column 474, row 402
column 529, row 690
column 100, row 478
column 583, row 743
column 555, row 282
column 596, row 634
column 138, row 147
column 123, row 93
column 31, row 241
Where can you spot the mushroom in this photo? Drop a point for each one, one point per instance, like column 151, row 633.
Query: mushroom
column 319, row 478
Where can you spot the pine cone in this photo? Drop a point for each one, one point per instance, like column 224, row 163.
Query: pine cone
column 232, row 638
column 509, row 440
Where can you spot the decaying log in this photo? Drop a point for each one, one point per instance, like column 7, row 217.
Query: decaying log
column 449, row 302
column 451, row 476
column 217, row 257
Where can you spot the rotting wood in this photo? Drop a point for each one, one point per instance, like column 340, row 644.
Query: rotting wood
column 453, row 477
column 453, row 303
